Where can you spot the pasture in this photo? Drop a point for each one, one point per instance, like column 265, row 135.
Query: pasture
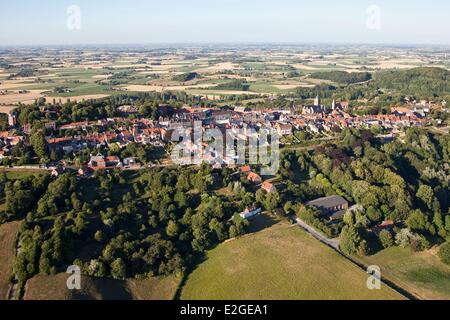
column 420, row 273
column 54, row 287
column 281, row 262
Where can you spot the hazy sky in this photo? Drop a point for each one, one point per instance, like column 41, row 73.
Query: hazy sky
column 225, row 21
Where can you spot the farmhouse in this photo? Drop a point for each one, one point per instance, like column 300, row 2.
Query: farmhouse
column 250, row 213
column 334, row 206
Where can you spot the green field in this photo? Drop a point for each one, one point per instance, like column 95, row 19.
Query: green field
column 421, row 274
column 22, row 173
column 8, row 233
column 54, row 288
column 281, row 262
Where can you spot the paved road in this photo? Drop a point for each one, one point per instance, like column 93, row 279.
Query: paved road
column 334, row 243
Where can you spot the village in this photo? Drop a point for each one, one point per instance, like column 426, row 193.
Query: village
column 104, row 134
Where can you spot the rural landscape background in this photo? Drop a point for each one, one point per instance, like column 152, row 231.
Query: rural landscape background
column 93, row 94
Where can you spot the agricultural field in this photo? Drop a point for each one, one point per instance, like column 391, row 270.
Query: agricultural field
column 8, row 234
column 92, row 74
column 281, row 262
column 420, row 273
column 54, row 288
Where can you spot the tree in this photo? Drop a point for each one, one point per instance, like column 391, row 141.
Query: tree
column 272, row 201
column 233, row 232
column 218, row 228
column 386, row 239
column 417, row 221
column 39, row 144
column 374, row 215
column 118, row 269
column 99, row 236
column 350, row 240
column 349, row 218
column 444, row 253
column 426, row 194
column 172, row 229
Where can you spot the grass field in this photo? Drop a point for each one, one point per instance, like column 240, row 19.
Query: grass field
column 21, row 173
column 421, row 274
column 281, row 262
column 55, row 288
column 8, row 233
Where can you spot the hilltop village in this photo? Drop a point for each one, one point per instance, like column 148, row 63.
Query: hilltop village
column 69, row 139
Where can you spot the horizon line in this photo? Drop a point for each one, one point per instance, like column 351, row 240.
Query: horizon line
column 229, row 43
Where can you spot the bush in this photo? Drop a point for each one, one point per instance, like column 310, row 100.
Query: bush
column 444, row 253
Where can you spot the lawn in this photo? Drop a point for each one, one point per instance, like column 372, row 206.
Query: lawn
column 281, row 262
column 421, row 274
column 43, row 287
column 8, row 233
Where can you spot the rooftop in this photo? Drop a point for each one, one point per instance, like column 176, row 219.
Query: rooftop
column 328, row 202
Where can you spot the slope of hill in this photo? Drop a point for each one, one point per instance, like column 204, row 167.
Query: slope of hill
column 420, row 81
column 8, row 233
column 343, row 77
column 55, row 288
column 420, row 273
column 282, row 262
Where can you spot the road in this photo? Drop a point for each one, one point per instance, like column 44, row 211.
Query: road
column 333, row 243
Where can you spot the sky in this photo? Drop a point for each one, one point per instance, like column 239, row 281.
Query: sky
column 47, row 22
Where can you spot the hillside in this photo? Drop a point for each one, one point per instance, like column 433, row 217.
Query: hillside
column 280, row 263
column 7, row 241
column 418, row 81
column 343, row 77
column 54, row 288
column 420, row 273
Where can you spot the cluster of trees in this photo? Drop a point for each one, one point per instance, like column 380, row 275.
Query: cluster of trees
column 21, row 195
column 239, row 85
column 386, row 88
column 423, row 82
column 343, row 77
column 404, row 182
column 185, row 77
column 152, row 222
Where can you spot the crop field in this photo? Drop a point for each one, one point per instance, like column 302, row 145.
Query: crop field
column 421, row 274
column 81, row 74
column 281, row 262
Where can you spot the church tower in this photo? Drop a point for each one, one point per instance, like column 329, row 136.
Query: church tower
column 317, row 102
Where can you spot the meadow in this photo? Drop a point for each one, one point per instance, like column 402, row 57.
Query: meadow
column 8, row 234
column 54, row 287
column 281, row 262
column 420, row 273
